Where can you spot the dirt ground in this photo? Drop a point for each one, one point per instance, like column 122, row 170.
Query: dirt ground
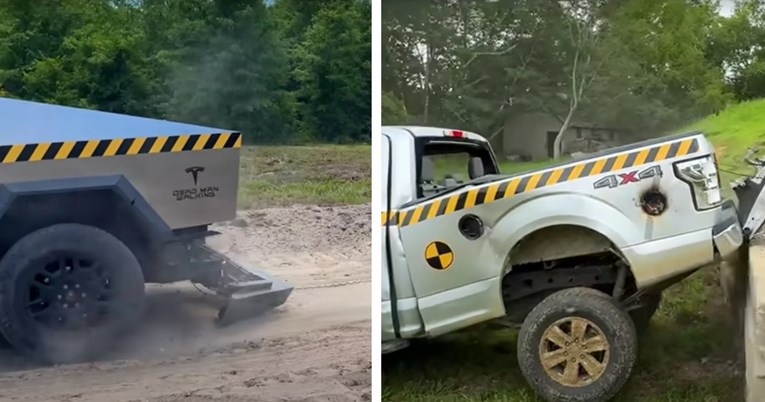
column 316, row 347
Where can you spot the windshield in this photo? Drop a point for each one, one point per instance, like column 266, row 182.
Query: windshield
column 446, row 165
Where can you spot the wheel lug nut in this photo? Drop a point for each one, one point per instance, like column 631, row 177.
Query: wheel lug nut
column 59, row 297
column 568, row 343
column 565, row 353
column 76, row 304
column 77, row 286
column 573, row 359
column 85, row 315
column 84, row 295
column 581, row 357
column 66, row 305
column 66, row 286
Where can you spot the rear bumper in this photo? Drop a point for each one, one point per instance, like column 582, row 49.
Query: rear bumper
column 245, row 292
column 727, row 233
column 658, row 261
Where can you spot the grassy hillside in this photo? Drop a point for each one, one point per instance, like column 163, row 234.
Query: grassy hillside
column 687, row 355
column 732, row 131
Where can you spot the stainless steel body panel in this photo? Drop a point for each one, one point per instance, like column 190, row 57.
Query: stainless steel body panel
column 158, row 177
column 187, row 184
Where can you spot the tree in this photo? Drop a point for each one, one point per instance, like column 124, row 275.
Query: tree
column 474, row 63
column 393, row 109
column 236, row 80
column 238, row 64
column 586, row 58
column 333, row 68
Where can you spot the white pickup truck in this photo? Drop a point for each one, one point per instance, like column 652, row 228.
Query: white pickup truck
column 577, row 253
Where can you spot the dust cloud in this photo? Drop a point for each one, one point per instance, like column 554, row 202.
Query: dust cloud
column 316, row 347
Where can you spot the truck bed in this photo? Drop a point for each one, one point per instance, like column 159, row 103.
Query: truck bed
column 187, row 173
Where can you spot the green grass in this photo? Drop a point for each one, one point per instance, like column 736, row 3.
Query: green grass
column 321, row 174
column 734, row 129
column 686, row 355
column 731, row 132
column 519, row 167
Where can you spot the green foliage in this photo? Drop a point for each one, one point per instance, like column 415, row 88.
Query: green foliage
column 393, row 109
column 333, row 69
column 732, row 131
column 737, row 44
column 633, row 64
column 285, row 73
column 234, row 81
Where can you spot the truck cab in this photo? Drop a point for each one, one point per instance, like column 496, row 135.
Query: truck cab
column 419, row 167
column 581, row 248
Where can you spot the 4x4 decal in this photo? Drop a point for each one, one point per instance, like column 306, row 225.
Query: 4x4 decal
column 615, row 180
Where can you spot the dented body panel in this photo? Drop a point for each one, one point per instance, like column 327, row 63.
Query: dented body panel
column 630, row 195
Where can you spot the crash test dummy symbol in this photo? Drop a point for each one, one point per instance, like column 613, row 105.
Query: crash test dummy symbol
column 439, row 255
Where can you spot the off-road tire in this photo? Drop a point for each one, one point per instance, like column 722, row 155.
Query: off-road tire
column 125, row 284
column 615, row 324
column 642, row 316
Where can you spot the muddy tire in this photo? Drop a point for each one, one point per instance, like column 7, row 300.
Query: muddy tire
column 66, row 292
column 583, row 325
column 642, row 316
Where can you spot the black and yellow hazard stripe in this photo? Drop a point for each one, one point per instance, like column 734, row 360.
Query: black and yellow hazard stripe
column 522, row 184
column 117, row 147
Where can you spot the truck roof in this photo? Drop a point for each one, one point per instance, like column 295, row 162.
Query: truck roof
column 31, row 122
column 421, row 131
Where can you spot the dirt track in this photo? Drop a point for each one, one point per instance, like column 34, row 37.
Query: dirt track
column 314, row 348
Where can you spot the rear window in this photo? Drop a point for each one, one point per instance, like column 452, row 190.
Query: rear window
column 445, row 164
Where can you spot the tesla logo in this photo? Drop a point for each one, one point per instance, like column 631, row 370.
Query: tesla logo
column 194, row 170
column 195, row 192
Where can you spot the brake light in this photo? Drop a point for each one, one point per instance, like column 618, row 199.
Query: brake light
column 455, row 133
column 701, row 174
column 717, row 168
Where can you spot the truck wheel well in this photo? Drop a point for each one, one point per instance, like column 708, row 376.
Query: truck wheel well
column 101, row 208
column 560, row 257
column 558, row 242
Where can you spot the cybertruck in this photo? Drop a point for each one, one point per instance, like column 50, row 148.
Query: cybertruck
column 93, row 206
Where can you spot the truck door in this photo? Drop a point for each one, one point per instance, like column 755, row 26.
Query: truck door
column 444, row 232
column 388, row 311
column 400, row 312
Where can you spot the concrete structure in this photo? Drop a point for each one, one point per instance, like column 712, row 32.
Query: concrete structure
column 743, row 282
column 754, row 324
column 532, row 135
